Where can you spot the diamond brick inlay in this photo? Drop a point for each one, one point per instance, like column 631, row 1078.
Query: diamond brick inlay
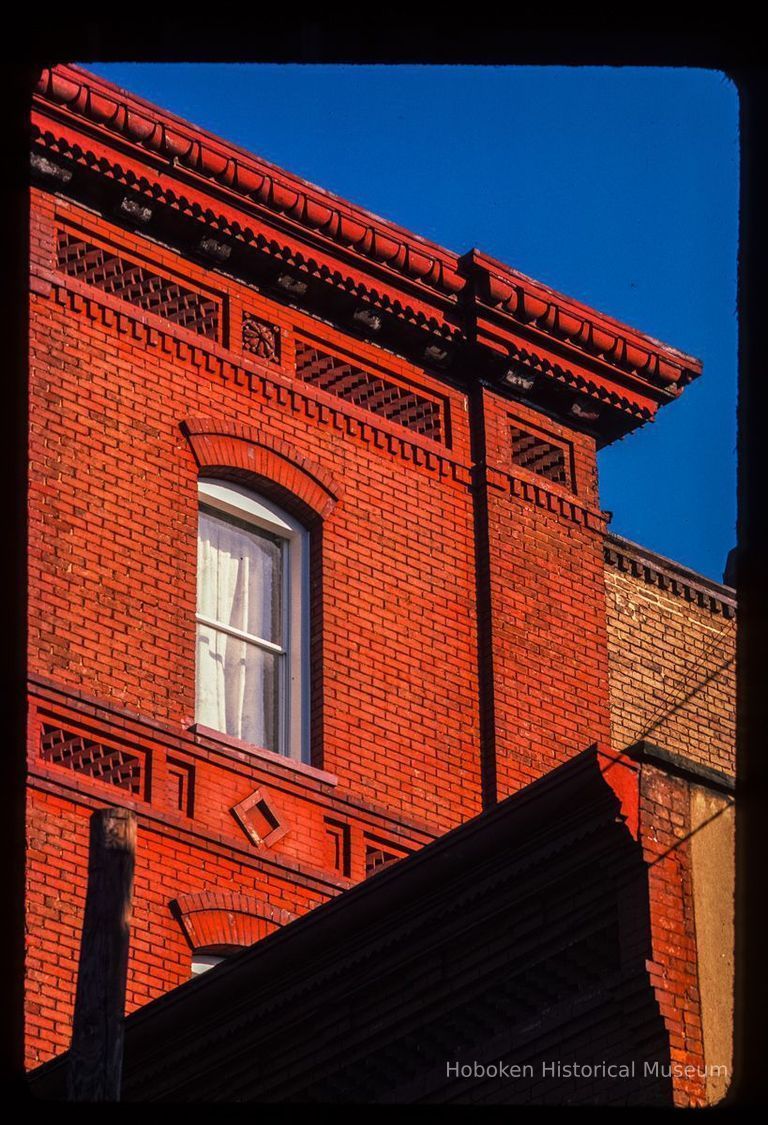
column 399, row 404
column 540, row 456
column 136, row 284
column 257, row 817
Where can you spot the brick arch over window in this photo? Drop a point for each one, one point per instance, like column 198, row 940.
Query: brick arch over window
column 222, row 919
column 270, row 466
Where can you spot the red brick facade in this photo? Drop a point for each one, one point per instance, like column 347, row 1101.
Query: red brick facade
column 208, row 318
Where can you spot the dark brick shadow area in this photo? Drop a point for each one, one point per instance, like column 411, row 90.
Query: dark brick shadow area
column 519, row 938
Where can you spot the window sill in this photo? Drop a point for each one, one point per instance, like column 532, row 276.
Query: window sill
column 269, row 756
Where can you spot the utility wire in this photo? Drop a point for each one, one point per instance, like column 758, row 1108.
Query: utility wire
column 667, row 703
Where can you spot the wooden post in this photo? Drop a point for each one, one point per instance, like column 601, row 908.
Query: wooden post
column 96, row 1052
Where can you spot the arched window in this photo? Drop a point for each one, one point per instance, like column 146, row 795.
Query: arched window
column 202, row 962
column 252, row 620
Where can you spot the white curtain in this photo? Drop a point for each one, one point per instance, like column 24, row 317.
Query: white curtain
column 239, row 585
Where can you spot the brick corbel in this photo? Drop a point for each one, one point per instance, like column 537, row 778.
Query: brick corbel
column 236, row 451
column 222, row 919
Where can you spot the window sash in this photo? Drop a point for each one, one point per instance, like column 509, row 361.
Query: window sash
column 251, row 512
column 249, row 638
column 233, row 693
column 253, row 533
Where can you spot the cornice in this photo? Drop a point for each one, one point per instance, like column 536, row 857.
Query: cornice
column 531, row 357
column 397, row 910
column 327, row 267
column 110, row 110
column 561, row 318
column 631, row 558
column 501, row 324
column 236, row 1023
column 681, row 766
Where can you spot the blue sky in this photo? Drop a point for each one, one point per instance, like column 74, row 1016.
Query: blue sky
column 618, row 186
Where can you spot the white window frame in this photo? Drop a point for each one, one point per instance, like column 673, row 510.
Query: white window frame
column 293, row 681
column 202, row 962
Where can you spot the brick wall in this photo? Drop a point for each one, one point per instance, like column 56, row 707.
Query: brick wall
column 672, row 650
column 461, row 640
column 112, row 571
column 547, row 599
column 665, row 830
column 113, row 530
column 168, row 866
column 671, row 645
column 129, row 407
